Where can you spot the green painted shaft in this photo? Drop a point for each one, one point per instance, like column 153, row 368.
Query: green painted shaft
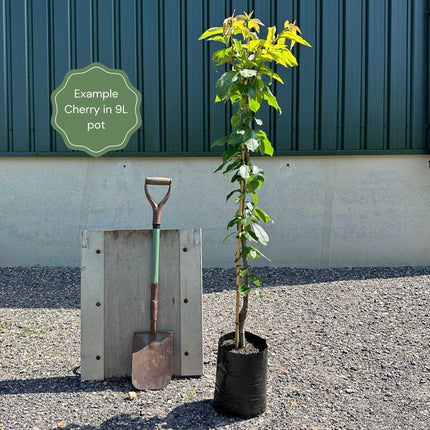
column 155, row 254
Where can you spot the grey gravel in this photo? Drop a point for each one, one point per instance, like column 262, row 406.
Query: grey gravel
column 349, row 349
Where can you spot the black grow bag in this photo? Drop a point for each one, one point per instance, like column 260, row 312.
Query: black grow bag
column 240, row 387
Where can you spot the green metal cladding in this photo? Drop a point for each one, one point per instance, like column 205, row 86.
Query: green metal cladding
column 361, row 89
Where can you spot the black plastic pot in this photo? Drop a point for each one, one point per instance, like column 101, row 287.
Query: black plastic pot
column 240, row 388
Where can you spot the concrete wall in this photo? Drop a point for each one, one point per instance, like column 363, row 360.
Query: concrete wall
column 328, row 211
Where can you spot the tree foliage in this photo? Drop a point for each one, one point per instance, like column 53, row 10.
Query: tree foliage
column 247, row 85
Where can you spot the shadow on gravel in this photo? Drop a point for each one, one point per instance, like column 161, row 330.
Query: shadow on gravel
column 123, row 421
column 216, row 280
column 60, row 384
column 192, row 416
column 198, row 415
column 40, row 287
column 59, row 287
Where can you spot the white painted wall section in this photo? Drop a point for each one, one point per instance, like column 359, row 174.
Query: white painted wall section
column 329, row 211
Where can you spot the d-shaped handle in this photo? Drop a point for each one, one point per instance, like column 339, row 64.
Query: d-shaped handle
column 156, row 207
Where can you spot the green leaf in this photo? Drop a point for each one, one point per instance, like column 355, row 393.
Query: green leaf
column 250, row 235
column 235, row 97
column 267, row 71
column 217, row 55
column 251, row 140
column 248, row 73
column 246, row 222
column 244, row 271
column 248, row 117
column 219, row 167
column 266, row 147
column 210, row 32
column 230, row 152
column 231, row 234
column 253, row 184
column 260, row 254
column 257, row 172
column 254, row 279
column 244, row 171
column 245, row 289
column 249, row 206
column 233, row 166
column 255, row 198
column 271, row 100
column 218, row 39
column 229, row 195
column 261, row 234
column 236, row 136
column 235, row 119
column 224, row 83
column 232, row 222
column 220, row 142
column 263, row 215
column 254, row 105
column 250, row 91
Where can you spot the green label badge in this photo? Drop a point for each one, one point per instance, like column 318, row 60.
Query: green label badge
column 96, row 109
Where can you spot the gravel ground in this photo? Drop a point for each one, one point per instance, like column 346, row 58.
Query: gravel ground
column 349, row 349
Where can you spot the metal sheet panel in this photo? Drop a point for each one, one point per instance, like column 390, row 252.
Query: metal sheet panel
column 127, row 282
column 19, row 75
column 92, row 305
column 361, row 88
column 41, row 85
column 191, row 302
column 4, row 91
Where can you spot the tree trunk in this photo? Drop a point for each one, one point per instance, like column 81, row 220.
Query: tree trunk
column 238, row 255
column 240, row 340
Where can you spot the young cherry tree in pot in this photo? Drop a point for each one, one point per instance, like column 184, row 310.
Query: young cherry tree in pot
column 242, row 357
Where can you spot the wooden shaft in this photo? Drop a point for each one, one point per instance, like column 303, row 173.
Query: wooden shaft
column 154, row 308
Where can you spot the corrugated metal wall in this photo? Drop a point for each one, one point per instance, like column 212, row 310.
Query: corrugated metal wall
column 362, row 88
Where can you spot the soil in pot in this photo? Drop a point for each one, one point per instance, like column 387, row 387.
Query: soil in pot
column 240, row 388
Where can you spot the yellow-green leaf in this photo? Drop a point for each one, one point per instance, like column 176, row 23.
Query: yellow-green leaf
column 291, row 58
column 270, row 36
column 218, row 39
column 254, row 105
column 217, row 55
column 267, row 57
column 210, row 32
column 266, row 147
column 241, row 26
column 252, row 24
column 278, row 57
column 277, row 77
column 271, row 100
column 293, row 36
column 292, row 26
column 254, row 44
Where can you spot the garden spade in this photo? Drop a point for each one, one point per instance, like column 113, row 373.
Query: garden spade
column 152, row 352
